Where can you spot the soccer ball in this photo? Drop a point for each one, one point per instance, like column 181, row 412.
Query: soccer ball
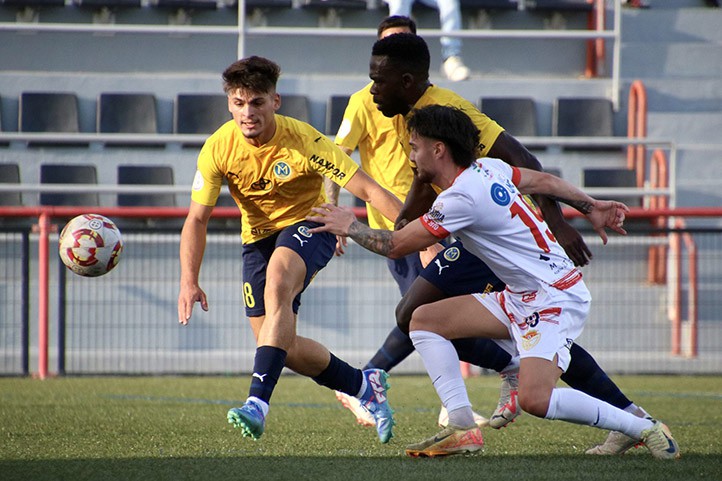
column 90, row 245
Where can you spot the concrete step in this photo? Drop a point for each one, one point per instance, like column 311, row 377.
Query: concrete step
column 686, row 127
column 664, row 25
column 682, row 95
column 671, row 60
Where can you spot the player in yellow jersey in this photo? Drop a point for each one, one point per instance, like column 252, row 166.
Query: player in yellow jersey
column 275, row 166
column 399, row 69
column 455, row 271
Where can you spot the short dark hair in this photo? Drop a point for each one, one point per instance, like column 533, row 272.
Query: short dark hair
column 256, row 74
column 407, row 51
column 449, row 125
column 396, row 21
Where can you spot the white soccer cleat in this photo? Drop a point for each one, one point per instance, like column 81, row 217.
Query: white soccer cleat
column 508, row 408
column 363, row 417
column 479, row 420
column 660, row 442
column 616, row 444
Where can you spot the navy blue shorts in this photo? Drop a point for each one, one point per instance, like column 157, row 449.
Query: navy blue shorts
column 405, row 270
column 457, row 272
column 315, row 250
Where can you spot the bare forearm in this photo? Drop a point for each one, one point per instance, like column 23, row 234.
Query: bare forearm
column 375, row 240
column 192, row 248
column 332, row 190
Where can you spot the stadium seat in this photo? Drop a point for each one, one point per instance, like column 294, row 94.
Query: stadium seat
column 489, row 4
column 68, row 174
column 560, row 5
column 48, row 112
column 149, row 175
column 200, row 113
column 296, row 106
column 188, row 4
column 583, row 117
column 518, row 115
column 335, row 108
column 10, row 174
column 111, row 4
column 34, row 3
column 127, row 113
column 610, row 177
column 338, row 4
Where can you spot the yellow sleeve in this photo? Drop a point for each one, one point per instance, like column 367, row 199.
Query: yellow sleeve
column 330, row 161
column 352, row 129
column 208, row 178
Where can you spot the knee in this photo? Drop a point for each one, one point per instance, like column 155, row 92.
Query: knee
column 403, row 315
column 533, row 402
column 421, row 319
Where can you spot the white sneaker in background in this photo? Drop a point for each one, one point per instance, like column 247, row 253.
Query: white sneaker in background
column 454, row 69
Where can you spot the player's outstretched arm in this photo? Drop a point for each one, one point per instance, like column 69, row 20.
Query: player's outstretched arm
column 507, row 148
column 601, row 214
column 192, row 247
column 392, row 244
column 368, row 190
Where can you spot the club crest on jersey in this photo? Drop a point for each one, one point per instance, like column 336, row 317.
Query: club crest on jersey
column 281, row 170
column 530, row 339
column 303, row 230
column 435, row 214
column 499, row 194
column 452, row 253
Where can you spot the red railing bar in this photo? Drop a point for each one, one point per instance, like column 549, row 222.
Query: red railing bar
column 637, row 128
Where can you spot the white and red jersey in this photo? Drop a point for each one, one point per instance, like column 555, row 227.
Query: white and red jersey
column 485, row 210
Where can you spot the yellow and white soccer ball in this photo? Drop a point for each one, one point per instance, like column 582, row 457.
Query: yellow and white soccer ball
column 90, row 245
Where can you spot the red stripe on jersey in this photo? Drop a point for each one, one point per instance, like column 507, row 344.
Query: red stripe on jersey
column 515, row 175
column 433, row 227
column 571, row 278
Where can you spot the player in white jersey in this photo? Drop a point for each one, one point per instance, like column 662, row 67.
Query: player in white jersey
column 545, row 304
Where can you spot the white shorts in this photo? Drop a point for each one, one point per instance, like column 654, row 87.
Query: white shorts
column 542, row 324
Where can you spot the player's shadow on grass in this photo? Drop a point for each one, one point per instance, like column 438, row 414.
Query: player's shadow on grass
column 638, row 466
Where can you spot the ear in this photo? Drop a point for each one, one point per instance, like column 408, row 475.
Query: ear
column 276, row 101
column 407, row 80
column 439, row 149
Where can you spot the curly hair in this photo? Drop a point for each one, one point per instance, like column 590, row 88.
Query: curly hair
column 256, row 74
column 451, row 126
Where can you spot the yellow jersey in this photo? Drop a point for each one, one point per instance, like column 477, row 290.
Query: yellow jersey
column 382, row 156
column 275, row 185
column 434, row 95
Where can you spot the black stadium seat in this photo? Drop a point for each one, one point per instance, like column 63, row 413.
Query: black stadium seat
column 10, row 174
column 127, row 113
column 148, row 175
column 68, row 174
column 296, row 106
column 200, row 113
column 583, row 117
column 517, row 115
column 610, row 177
column 48, row 112
column 335, row 108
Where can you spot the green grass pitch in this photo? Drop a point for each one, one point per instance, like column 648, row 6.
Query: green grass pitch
column 174, row 428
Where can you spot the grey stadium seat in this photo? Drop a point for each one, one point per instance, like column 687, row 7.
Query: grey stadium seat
column 10, row 174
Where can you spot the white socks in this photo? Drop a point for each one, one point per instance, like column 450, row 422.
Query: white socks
column 580, row 408
column 442, row 364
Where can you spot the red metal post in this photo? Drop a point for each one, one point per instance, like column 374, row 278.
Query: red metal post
column 44, row 229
